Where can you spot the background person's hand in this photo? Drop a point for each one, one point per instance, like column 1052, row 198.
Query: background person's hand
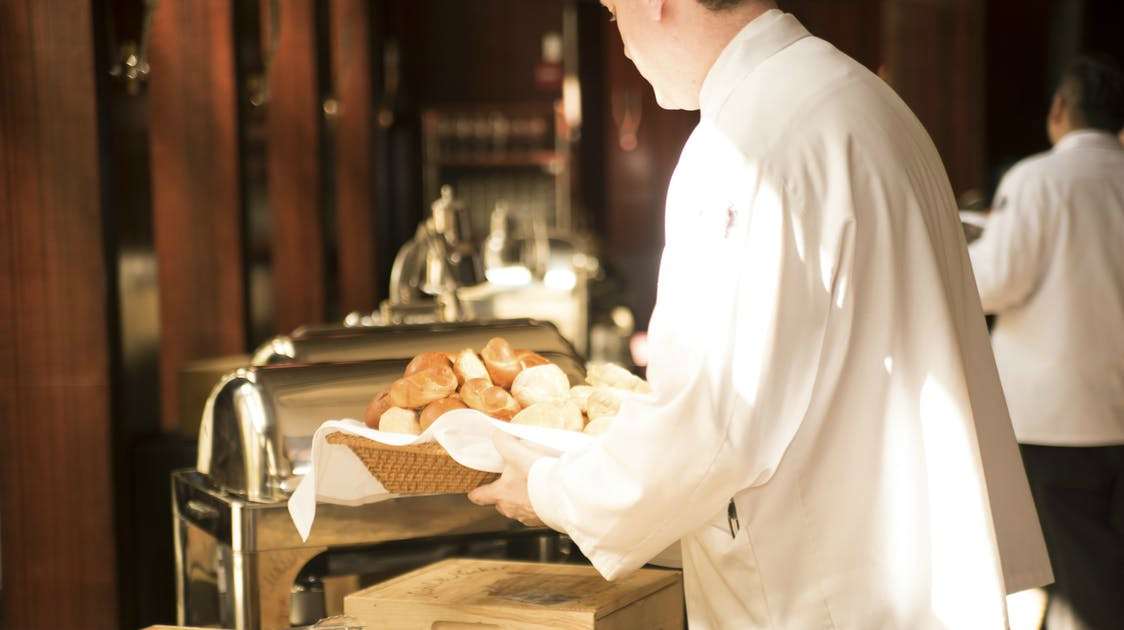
column 509, row 492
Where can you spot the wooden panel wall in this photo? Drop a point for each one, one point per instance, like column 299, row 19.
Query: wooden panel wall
column 353, row 76
column 480, row 50
column 55, row 495
column 934, row 53
column 294, row 169
column 196, row 202
column 853, row 26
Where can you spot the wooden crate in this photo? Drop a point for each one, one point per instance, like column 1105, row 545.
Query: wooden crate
column 489, row 595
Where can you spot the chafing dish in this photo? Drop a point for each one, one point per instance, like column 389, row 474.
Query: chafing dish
column 239, row 560
column 313, row 344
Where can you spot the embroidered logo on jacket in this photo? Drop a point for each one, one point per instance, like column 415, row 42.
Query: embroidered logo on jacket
column 731, row 217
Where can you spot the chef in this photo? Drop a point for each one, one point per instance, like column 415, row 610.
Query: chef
column 1050, row 264
column 826, row 434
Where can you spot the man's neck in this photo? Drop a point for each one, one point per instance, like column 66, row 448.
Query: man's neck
column 1075, row 134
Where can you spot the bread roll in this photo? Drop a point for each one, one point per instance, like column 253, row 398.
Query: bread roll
column 490, row 399
column 378, row 405
column 468, row 366
column 552, row 414
column 540, row 384
column 421, row 388
column 501, row 362
column 436, row 409
column 579, row 395
column 527, row 358
column 427, row 361
column 599, row 426
column 602, row 402
column 399, row 420
column 610, row 375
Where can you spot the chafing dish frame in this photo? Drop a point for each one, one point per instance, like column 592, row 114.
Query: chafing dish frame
column 237, row 560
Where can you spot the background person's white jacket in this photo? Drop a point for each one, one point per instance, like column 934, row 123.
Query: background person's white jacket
column 1050, row 263
column 818, row 350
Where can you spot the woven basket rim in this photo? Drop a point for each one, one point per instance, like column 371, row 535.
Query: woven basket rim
column 349, row 439
column 415, row 469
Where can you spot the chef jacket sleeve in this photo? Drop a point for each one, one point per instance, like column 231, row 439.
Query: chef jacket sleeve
column 673, row 460
column 1010, row 256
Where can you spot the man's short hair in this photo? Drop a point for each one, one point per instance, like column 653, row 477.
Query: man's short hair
column 1093, row 86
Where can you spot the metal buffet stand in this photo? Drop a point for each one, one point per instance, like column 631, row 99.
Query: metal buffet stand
column 239, row 560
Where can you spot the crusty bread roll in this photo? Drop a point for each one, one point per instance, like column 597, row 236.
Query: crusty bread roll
column 501, row 362
column 579, row 395
column 610, row 375
column 399, row 420
column 378, row 405
column 602, row 402
column 421, row 388
column 599, row 426
column 427, row 361
column 468, row 366
column 528, row 358
column 555, row 414
column 540, row 383
column 437, row 408
column 490, row 399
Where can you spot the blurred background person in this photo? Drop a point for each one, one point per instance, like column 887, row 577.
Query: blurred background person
column 1050, row 265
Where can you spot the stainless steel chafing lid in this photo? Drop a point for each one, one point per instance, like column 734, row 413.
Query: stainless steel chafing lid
column 258, row 423
column 360, row 343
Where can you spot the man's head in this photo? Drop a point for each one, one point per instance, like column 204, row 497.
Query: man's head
column 674, row 42
column 1090, row 95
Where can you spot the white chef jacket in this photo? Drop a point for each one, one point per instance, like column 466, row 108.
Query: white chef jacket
column 1050, row 263
column 819, row 353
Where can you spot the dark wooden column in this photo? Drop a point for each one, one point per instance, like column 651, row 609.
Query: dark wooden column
column 195, row 194
column 934, row 52
column 293, row 167
column 355, row 154
column 55, row 496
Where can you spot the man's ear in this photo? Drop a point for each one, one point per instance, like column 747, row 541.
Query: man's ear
column 1058, row 109
column 654, row 9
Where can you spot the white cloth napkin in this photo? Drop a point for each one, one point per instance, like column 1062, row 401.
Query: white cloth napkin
column 338, row 476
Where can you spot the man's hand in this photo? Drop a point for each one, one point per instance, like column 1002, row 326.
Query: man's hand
column 509, row 492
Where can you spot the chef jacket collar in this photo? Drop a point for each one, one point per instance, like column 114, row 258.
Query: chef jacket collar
column 763, row 37
column 1087, row 138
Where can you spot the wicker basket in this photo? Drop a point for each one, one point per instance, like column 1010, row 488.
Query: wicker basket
column 418, row 469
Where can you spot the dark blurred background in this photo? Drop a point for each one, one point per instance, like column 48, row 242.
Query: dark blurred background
column 266, row 168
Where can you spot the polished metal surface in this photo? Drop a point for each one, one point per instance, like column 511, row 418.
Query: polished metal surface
column 246, row 525
column 429, row 268
column 362, row 343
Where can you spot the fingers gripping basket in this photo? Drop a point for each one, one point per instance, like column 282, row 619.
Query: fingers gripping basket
column 416, row 469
